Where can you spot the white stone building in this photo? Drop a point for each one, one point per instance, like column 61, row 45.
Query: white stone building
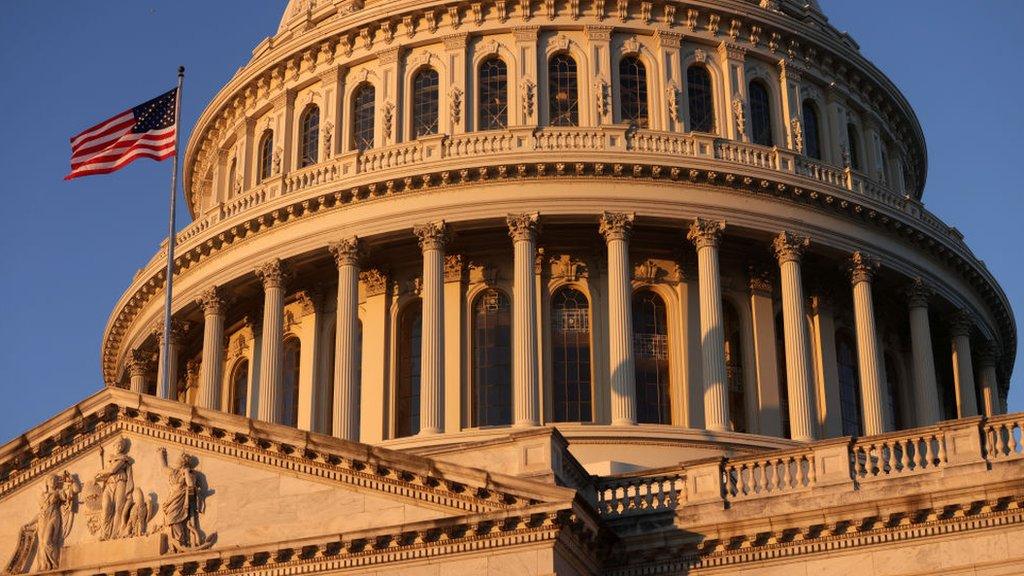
column 573, row 287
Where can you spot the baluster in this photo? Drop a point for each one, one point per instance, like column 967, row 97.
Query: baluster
column 942, row 451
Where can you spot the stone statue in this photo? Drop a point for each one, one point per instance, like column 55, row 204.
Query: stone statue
column 51, row 526
column 184, row 502
column 116, row 485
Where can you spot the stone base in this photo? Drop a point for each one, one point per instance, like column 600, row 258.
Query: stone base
column 96, row 553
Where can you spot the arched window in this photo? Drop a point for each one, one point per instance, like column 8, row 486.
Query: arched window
column 290, row 382
column 239, row 392
column 701, row 99
column 492, row 359
column 650, row 350
column 849, row 385
column 563, row 91
column 812, row 131
column 893, row 386
column 570, row 357
column 760, row 114
column 780, row 355
column 364, row 111
column 266, row 163
column 853, row 141
column 407, row 390
column 493, row 96
column 232, row 176
column 309, row 136
column 425, row 103
column 734, row 366
column 633, row 91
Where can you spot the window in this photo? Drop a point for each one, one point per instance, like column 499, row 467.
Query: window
column 237, row 403
column 570, row 356
column 563, row 91
column 734, row 367
column 290, row 382
column 853, row 141
column 364, row 111
column 893, row 386
column 633, row 91
column 493, row 94
column 309, row 136
column 812, row 136
column 232, row 175
column 407, row 391
column 849, row 385
column 650, row 350
column 492, row 359
column 760, row 114
column 425, row 103
column 701, row 99
column 266, row 163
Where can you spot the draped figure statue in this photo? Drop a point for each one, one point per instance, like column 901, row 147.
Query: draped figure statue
column 184, row 502
column 46, row 533
column 117, row 485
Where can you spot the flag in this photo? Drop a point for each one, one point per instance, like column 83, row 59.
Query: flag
column 145, row 131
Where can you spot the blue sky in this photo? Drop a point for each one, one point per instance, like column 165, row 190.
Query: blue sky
column 68, row 250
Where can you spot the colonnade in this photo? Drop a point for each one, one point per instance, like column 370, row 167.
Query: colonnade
column 616, row 229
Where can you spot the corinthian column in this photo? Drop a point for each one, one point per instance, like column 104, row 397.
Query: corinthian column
column 346, row 386
column 525, row 394
column 432, row 238
column 926, row 390
column 988, row 379
column 616, row 228
column 963, row 368
column 706, row 234
column 139, row 365
column 799, row 370
column 273, row 276
column 167, row 388
column 213, row 348
column 862, row 272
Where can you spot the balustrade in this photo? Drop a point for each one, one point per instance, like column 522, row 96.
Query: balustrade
column 768, row 476
column 872, row 458
column 1004, row 437
column 639, row 495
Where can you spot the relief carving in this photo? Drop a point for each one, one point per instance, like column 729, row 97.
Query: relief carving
column 46, row 533
column 117, row 508
column 185, row 501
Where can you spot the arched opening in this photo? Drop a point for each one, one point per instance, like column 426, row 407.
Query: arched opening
column 849, row 385
column 570, row 357
column 232, row 176
column 853, row 141
column 364, row 112
column 407, row 384
column 563, row 91
column 493, row 96
column 650, row 350
column 701, row 98
column 425, row 103
column 812, row 131
column 309, row 136
column 238, row 394
column 760, row 114
column 734, row 366
column 292, row 357
column 266, row 163
column 492, row 359
column 633, row 91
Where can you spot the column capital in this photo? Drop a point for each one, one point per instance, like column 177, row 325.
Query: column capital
column 617, row 225
column 918, row 292
column 140, row 363
column 211, row 301
column 705, row 233
column 960, row 323
column 272, row 274
column 760, row 281
column 375, row 281
column 453, row 267
column 432, row 235
column 862, row 267
column 789, row 247
column 988, row 354
column 179, row 329
column 347, row 252
column 523, row 227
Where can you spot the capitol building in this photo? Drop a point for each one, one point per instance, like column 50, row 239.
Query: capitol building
column 544, row 287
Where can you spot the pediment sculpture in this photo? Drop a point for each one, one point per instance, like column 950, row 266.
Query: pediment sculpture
column 44, row 535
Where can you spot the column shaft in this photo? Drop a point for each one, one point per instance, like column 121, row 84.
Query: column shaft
column 272, row 276
column 525, row 390
column 211, row 369
column 869, row 361
column 167, row 388
column 963, row 367
column 926, row 390
column 799, row 368
column 346, row 385
column 706, row 234
column 432, row 242
column 616, row 228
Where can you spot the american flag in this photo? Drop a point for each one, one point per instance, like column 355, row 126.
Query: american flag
column 145, row 131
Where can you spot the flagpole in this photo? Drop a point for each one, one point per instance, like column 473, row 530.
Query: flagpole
column 164, row 387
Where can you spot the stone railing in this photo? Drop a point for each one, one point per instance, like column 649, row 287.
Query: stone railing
column 972, row 445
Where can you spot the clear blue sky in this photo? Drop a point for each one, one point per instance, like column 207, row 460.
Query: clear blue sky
column 68, row 250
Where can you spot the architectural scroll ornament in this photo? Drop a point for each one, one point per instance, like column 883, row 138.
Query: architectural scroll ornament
column 602, row 93
column 375, row 281
column 183, row 504
column 529, row 97
column 453, row 267
column 456, row 102
column 739, row 117
column 705, row 233
column 46, row 533
column 278, row 152
column 389, row 120
column 797, row 131
column 328, row 138
column 673, row 95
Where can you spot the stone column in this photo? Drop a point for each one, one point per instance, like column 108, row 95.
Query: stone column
column 432, row 239
column 525, row 360
column 988, row 379
column 273, row 276
column 963, row 368
column 346, row 386
column 168, row 389
column 706, row 234
column 799, row 368
column 762, row 318
column 211, row 370
column 862, row 271
column 926, row 389
column 616, row 228
column 139, row 365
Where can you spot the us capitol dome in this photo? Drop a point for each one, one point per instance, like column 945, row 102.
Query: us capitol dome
column 611, row 286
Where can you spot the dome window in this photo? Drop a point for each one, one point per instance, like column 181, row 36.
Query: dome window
column 563, row 91
column 633, row 91
column 425, row 103
column 493, row 94
column 701, row 99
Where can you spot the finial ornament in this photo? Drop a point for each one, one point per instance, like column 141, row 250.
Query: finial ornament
column 272, row 274
column 862, row 267
column 705, row 233
column 790, row 247
column 432, row 235
column 347, row 252
column 211, row 302
column 918, row 293
column 524, row 226
column 617, row 225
